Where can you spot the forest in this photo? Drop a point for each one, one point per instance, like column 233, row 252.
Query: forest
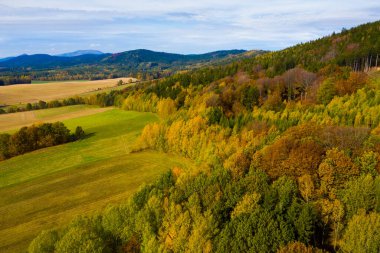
column 287, row 153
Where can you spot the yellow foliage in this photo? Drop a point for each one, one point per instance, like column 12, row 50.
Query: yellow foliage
column 247, row 205
column 166, row 107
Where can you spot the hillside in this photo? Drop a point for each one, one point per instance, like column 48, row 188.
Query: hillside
column 78, row 177
column 287, row 146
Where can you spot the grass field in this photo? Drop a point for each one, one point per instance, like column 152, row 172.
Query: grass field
column 31, row 93
column 13, row 121
column 48, row 187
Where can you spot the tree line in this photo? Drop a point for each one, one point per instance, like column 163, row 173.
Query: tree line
column 35, row 137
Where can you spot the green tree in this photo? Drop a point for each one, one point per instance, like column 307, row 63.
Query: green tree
column 362, row 234
column 326, row 91
column 80, row 240
column 359, row 194
column 44, row 242
column 79, row 133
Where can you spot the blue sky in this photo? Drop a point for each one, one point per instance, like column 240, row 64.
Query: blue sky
column 57, row 26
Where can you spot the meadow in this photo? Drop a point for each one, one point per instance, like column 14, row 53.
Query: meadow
column 47, row 188
column 47, row 91
column 13, row 121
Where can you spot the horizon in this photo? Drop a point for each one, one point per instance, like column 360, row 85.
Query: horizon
column 181, row 27
column 137, row 49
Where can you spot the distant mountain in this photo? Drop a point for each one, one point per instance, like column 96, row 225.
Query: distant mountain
column 45, row 61
column 130, row 59
column 80, row 52
column 143, row 55
column 6, row 59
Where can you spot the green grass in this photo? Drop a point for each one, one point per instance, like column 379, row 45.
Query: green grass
column 47, row 188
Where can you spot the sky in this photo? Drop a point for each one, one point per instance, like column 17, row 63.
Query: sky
column 176, row 26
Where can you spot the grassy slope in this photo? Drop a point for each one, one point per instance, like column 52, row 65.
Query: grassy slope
column 46, row 188
column 11, row 122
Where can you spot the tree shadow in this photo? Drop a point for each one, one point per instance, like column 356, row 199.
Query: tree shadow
column 87, row 136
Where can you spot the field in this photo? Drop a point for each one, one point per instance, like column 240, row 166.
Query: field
column 31, row 93
column 48, row 187
column 13, row 121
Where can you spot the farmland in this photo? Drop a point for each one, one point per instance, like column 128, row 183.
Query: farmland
column 76, row 178
column 31, row 93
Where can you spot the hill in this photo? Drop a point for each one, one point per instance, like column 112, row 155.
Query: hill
column 142, row 64
column 80, row 52
column 133, row 58
column 287, row 148
column 44, row 61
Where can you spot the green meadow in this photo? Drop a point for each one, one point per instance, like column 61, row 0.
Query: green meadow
column 47, row 188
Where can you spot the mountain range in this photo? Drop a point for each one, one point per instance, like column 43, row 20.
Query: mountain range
column 80, row 52
column 92, row 57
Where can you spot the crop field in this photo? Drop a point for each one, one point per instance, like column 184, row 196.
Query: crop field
column 31, row 93
column 47, row 188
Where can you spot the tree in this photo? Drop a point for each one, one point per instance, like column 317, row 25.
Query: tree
column 298, row 247
column 80, row 240
column 368, row 163
column 120, row 82
column 326, row 91
column 79, row 133
column 166, row 107
column 214, row 114
column 306, row 187
column 359, row 195
column 362, row 234
column 247, row 205
column 44, row 242
column 250, row 97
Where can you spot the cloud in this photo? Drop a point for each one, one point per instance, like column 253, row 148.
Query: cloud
column 94, row 45
column 173, row 25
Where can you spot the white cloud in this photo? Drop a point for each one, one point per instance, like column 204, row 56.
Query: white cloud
column 174, row 25
column 94, row 45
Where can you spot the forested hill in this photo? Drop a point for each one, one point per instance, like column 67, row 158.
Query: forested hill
column 131, row 58
column 358, row 48
column 142, row 64
column 287, row 148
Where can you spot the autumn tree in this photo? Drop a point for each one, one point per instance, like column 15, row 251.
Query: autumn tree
column 326, row 91
column 166, row 107
column 362, row 234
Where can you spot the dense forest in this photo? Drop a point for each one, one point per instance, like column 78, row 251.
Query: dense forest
column 287, row 153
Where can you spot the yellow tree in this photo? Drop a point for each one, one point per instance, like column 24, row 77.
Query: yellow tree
column 166, row 107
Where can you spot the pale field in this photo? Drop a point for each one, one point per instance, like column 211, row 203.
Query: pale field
column 31, row 93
